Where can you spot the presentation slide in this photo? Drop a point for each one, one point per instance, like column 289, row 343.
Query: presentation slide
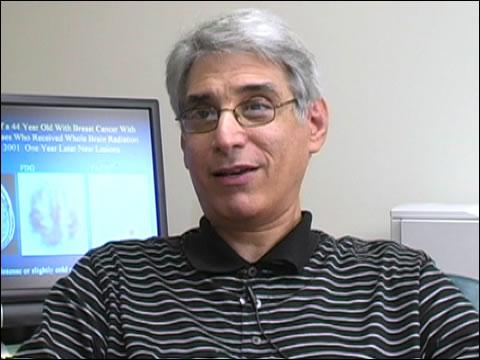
column 71, row 180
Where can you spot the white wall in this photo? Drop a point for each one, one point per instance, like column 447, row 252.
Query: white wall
column 401, row 79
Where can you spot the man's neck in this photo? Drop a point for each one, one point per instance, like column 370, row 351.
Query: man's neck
column 251, row 243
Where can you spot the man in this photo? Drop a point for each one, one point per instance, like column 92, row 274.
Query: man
column 253, row 281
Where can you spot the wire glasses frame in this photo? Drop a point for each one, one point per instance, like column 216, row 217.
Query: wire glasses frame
column 250, row 113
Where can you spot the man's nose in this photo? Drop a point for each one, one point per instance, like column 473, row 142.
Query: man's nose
column 229, row 133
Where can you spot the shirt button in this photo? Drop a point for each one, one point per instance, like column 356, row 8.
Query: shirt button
column 252, row 271
column 242, row 272
column 256, row 340
column 259, row 303
column 242, row 301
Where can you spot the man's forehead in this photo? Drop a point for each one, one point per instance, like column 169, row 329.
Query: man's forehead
column 235, row 73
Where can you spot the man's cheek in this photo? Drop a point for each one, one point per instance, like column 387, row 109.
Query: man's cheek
column 188, row 156
column 185, row 159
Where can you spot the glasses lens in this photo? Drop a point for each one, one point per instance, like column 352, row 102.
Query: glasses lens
column 200, row 119
column 256, row 111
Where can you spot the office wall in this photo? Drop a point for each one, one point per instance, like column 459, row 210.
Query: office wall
column 401, row 80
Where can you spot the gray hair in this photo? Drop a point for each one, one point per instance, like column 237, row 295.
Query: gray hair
column 247, row 31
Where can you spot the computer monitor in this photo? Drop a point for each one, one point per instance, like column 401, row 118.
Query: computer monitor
column 76, row 172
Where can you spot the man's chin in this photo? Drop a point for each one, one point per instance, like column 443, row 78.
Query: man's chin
column 234, row 212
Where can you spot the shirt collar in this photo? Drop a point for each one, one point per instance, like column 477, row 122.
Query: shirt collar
column 208, row 252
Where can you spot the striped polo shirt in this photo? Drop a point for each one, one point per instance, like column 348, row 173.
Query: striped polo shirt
column 311, row 296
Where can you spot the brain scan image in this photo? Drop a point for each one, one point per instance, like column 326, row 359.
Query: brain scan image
column 8, row 219
column 52, row 214
column 52, row 217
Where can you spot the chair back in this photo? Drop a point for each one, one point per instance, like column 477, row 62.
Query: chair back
column 468, row 286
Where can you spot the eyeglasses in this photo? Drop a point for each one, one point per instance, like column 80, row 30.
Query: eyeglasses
column 256, row 111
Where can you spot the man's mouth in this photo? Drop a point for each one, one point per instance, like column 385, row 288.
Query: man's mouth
column 234, row 171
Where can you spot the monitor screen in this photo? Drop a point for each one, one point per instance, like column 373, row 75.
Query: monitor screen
column 76, row 172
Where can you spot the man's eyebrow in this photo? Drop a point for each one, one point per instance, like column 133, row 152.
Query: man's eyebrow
column 262, row 88
column 197, row 99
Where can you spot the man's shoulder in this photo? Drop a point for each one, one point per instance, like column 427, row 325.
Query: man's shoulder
column 150, row 247
column 371, row 250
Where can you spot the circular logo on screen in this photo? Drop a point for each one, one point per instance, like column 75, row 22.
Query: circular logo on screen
column 8, row 219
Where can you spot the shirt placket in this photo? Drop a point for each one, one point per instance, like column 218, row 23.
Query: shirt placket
column 249, row 301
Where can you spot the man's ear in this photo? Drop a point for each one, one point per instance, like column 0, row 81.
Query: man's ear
column 182, row 145
column 318, row 120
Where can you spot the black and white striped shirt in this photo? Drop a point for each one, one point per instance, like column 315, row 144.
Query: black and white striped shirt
column 311, row 296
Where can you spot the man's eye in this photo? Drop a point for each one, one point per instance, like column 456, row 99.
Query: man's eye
column 203, row 114
column 256, row 107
